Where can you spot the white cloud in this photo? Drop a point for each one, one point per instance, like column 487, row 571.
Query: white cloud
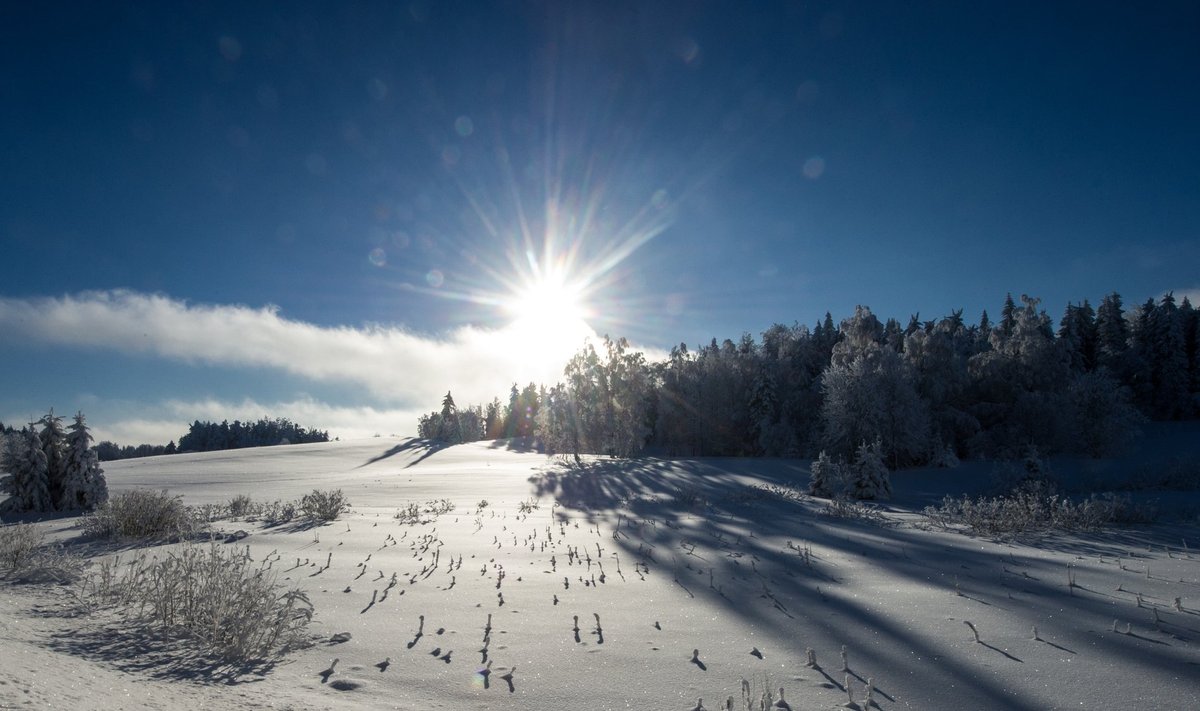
column 1192, row 294
column 392, row 365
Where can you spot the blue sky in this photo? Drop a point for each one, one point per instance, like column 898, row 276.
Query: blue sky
column 326, row 211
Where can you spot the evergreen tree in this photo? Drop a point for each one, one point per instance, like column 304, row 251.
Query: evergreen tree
column 84, row 485
column 1168, row 361
column 871, row 479
column 53, row 443
column 1190, row 318
column 1078, row 335
column 25, row 463
column 1008, row 316
column 826, row 477
column 450, row 431
column 1112, row 336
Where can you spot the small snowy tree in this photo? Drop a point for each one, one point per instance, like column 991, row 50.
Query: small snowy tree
column 870, row 474
column 84, row 485
column 828, row 477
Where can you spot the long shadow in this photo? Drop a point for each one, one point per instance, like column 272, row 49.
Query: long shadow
column 666, row 507
column 428, row 446
column 144, row 650
column 524, row 445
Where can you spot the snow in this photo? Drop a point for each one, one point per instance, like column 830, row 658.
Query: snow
column 692, row 558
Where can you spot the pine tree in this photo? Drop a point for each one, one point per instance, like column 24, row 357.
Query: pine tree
column 84, row 485
column 1168, row 361
column 1112, row 336
column 826, row 477
column 53, row 440
column 1008, row 316
column 25, row 463
column 871, row 479
column 450, row 431
column 12, row 473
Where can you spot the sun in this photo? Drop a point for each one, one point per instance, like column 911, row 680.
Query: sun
column 549, row 319
column 548, row 302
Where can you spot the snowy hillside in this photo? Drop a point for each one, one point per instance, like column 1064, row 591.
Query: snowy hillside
column 643, row 584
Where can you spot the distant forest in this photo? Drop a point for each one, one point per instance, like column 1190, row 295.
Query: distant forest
column 210, row 436
column 927, row 392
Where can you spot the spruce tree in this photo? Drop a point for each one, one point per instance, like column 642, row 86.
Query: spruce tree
column 53, row 439
column 84, row 485
column 450, row 431
column 25, row 463
column 826, row 479
column 871, row 479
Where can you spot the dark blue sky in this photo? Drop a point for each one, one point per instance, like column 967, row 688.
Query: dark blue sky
column 712, row 167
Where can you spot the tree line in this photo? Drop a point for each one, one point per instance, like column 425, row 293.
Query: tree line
column 928, row 392
column 210, row 436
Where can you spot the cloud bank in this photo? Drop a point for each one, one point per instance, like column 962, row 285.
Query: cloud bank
column 391, row 366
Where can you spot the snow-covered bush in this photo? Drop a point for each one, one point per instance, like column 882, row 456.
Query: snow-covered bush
column 324, row 505
column 142, row 513
column 18, row 546
column 25, row 557
column 213, row 596
column 240, row 505
column 1030, row 512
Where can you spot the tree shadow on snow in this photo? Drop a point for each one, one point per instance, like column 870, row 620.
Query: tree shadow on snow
column 427, row 448
column 740, row 535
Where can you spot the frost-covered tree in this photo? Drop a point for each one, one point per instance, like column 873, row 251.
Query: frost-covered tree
column 873, row 397
column 84, row 485
column 53, row 443
column 449, row 430
column 604, row 405
column 25, row 462
column 869, row 474
column 1017, row 385
column 827, row 477
column 1008, row 317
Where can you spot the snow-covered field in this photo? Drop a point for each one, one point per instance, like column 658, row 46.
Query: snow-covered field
column 636, row 585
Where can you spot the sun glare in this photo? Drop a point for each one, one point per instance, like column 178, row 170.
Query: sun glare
column 549, row 321
column 548, row 303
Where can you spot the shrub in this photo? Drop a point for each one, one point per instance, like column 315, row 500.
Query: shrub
column 19, row 544
column 142, row 513
column 240, row 505
column 324, row 505
column 277, row 512
column 212, row 595
column 1031, row 512
column 24, row 557
column 842, row 507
